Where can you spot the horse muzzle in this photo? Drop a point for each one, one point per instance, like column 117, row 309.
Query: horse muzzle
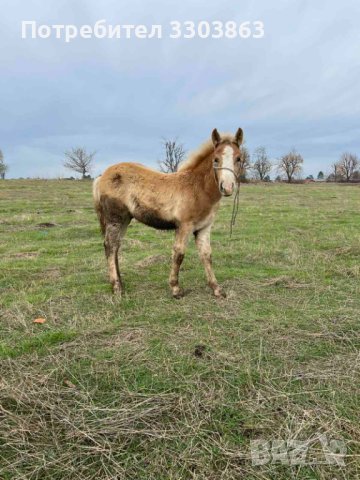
column 226, row 189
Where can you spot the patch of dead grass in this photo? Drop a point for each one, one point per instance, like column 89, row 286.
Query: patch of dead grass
column 151, row 260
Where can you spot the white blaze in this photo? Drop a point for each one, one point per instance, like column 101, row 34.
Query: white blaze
column 227, row 177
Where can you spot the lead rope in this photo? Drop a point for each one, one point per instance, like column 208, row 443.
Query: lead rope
column 236, row 198
column 235, row 208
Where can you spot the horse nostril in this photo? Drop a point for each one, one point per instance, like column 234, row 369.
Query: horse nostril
column 221, row 186
column 227, row 188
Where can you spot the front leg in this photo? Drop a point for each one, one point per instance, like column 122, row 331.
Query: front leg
column 181, row 238
column 202, row 239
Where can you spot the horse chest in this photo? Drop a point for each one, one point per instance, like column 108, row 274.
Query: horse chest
column 205, row 221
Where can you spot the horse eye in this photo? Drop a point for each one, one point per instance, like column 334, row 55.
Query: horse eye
column 216, row 162
column 238, row 159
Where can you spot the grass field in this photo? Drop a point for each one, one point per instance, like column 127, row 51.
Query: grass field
column 148, row 387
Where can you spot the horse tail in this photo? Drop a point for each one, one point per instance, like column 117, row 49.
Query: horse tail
column 98, row 204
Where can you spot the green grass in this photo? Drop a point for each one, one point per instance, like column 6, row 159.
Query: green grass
column 148, row 387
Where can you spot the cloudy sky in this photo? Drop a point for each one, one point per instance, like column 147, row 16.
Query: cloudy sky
column 296, row 87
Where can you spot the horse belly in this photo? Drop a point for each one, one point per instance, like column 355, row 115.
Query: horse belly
column 151, row 217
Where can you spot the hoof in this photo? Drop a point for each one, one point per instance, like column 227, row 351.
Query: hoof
column 178, row 293
column 219, row 293
column 117, row 289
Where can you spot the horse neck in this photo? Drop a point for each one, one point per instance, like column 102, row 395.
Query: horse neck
column 205, row 175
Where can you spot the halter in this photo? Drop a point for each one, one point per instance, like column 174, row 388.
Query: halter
column 236, row 197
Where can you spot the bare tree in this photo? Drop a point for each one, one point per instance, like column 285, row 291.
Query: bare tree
column 79, row 160
column 174, row 154
column 245, row 164
column 347, row 165
column 335, row 174
column 262, row 165
column 291, row 165
column 3, row 167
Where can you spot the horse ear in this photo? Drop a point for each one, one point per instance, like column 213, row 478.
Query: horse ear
column 239, row 136
column 215, row 137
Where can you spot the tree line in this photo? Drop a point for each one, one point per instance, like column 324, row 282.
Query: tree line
column 257, row 166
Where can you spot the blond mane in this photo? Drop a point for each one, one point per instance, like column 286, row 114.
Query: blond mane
column 202, row 152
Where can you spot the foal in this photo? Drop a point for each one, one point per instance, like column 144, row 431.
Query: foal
column 185, row 201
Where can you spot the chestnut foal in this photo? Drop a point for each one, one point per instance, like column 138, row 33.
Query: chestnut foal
column 185, row 201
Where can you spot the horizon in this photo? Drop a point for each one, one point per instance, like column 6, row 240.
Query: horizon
column 70, row 174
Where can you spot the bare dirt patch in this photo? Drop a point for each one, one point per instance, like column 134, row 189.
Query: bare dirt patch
column 24, row 255
column 46, row 225
column 285, row 282
column 151, row 260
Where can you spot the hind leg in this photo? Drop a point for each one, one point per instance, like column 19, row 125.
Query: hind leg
column 114, row 233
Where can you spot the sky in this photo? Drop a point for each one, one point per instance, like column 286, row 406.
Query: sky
column 297, row 87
